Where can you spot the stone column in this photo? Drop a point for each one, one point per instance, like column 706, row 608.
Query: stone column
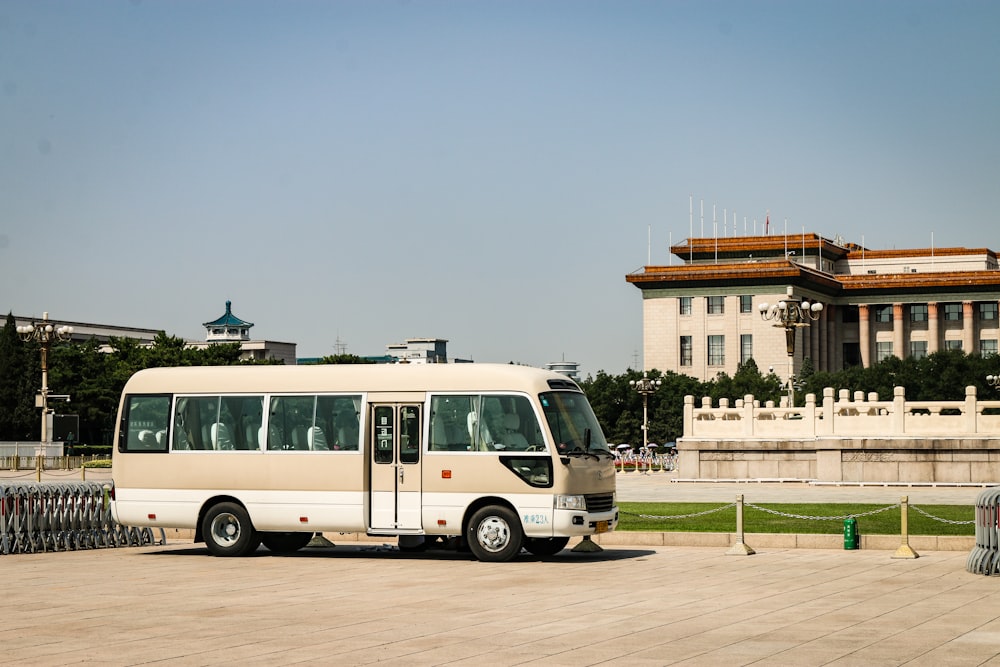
column 815, row 339
column 898, row 333
column 834, row 345
column 968, row 328
column 933, row 335
column 864, row 336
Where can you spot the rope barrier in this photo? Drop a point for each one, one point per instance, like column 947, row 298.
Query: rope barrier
column 740, row 548
column 937, row 518
column 822, row 518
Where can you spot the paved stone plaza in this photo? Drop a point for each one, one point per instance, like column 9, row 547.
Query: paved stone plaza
column 357, row 605
column 364, row 603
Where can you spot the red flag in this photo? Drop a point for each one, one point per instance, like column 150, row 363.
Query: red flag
column 767, row 224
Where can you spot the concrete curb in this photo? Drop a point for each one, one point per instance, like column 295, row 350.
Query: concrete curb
column 784, row 540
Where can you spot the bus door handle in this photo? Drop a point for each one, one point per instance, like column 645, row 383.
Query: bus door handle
column 400, row 474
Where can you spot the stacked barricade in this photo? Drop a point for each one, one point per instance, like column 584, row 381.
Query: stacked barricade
column 985, row 556
column 61, row 517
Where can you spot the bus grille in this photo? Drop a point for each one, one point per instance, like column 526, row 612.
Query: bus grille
column 600, row 502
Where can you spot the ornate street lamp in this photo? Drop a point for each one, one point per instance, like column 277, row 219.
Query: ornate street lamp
column 993, row 381
column 791, row 313
column 45, row 334
column 645, row 386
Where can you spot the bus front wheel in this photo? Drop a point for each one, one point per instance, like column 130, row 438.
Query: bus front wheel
column 494, row 534
column 228, row 532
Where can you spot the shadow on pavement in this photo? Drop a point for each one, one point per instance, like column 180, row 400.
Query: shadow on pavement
column 392, row 551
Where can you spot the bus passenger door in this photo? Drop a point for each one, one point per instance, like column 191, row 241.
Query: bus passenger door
column 395, row 466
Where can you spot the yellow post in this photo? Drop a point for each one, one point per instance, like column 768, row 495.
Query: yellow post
column 904, row 550
column 740, row 548
column 38, row 469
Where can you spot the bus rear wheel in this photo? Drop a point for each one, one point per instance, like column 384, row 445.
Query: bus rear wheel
column 545, row 546
column 285, row 543
column 494, row 534
column 228, row 532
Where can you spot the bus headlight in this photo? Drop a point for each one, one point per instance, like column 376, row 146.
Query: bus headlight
column 571, row 503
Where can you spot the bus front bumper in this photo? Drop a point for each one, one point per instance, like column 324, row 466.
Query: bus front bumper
column 577, row 523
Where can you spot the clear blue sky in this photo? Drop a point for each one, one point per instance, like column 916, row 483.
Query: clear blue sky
column 484, row 172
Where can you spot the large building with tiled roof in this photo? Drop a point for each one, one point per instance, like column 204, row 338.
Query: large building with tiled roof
column 701, row 317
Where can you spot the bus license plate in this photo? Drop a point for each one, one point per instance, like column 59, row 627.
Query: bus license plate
column 602, row 527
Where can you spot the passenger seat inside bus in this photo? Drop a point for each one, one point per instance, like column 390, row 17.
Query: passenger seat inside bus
column 512, row 437
column 316, row 438
column 221, row 439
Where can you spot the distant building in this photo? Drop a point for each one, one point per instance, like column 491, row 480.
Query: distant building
column 419, row 351
column 570, row 369
column 103, row 333
column 226, row 329
column 702, row 317
column 230, row 329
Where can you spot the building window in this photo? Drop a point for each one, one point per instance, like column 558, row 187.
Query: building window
column 883, row 351
column 716, row 305
column 746, row 348
column 918, row 349
column 918, row 312
column 988, row 348
column 883, row 313
column 953, row 345
column 988, row 311
column 687, row 351
column 746, row 303
column 953, row 312
column 716, row 350
column 685, row 305
column 850, row 315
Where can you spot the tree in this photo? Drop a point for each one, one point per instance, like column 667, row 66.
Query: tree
column 746, row 380
column 618, row 405
column 344, row 359
column 20, row 380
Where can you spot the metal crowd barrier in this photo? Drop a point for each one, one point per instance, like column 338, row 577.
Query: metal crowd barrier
column 985, row 556
column 61, row 517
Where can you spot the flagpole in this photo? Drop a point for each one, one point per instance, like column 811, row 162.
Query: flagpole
column 691, row 228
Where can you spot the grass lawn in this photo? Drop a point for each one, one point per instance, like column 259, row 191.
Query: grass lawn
column 645, row 517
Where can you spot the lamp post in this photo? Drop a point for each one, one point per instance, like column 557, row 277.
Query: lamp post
column 791, row 313
column 45, row 334
column 645, row 386
column 993, row 381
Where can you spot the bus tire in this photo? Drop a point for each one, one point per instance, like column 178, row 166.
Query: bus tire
column 494, row 534
column 228, row 532
column 285, row 543
column 545, row 546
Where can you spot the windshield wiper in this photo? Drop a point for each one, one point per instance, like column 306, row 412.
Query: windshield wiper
column 580, row 450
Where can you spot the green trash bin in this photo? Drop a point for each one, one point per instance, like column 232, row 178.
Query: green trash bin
column 851, row 538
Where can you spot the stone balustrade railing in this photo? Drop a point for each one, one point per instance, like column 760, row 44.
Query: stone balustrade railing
column 845, row 415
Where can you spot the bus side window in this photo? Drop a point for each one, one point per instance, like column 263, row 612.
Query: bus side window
column 451, row 420
column 409, row 449
column 146, row 424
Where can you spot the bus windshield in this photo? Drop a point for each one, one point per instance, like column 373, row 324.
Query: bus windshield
column 573, row 423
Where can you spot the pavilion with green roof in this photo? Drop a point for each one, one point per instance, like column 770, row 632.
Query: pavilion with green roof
column 228, row 328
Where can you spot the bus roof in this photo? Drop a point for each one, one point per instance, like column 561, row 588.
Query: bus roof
column 347, row 377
